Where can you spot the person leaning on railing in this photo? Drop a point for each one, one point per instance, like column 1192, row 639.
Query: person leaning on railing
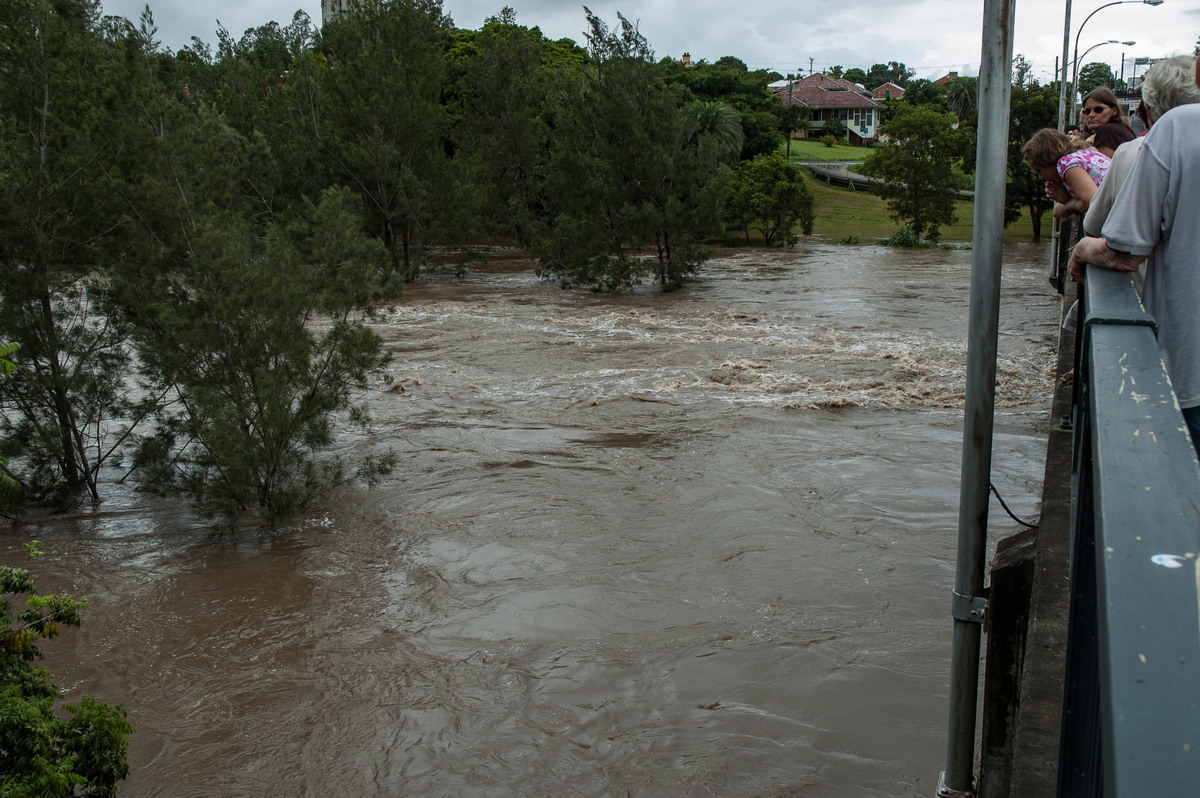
column 1154, row 220
column 1072, row 169
column 1166, row 85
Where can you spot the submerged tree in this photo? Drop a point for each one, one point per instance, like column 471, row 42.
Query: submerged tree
column 10, row 488
column 62, row 125
column 503, row 89
column 383, row 126
column 628, row 170
column 44, row 753
column 257, row 342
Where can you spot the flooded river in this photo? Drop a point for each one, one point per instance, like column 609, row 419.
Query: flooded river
column 693, row 544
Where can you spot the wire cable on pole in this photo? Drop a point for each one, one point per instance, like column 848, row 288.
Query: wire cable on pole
column 992, row 488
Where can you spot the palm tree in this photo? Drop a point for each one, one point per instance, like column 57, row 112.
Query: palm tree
column 960, row 97
column 719, row 120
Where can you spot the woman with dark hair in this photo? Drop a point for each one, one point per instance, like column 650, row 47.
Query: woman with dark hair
column 1103, row 121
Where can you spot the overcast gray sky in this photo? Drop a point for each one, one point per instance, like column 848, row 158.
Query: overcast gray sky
column 931, row 36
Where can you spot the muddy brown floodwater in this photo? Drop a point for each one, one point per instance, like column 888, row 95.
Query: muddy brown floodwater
column 693, row 544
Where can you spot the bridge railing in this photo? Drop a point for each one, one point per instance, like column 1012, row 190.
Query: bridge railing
column 1131, row 712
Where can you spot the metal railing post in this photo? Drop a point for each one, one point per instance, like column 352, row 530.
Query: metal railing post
column 995, row 91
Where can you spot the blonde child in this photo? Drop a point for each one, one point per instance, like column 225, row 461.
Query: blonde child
column 1072, row 172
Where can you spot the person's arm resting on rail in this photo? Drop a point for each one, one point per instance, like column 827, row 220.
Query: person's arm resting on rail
column 1096, row 252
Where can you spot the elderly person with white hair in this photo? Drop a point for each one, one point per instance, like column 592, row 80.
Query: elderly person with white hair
column 1155, row 220
column 1167, row 84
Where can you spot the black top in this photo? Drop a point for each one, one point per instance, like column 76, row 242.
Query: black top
column 1112, row 135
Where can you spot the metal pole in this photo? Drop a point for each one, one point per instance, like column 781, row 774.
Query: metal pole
column 991, row 160
column 1078, row 58
column 1062, row 79
column 1055, row 227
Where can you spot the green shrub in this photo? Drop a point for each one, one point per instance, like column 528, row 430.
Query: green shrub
column 906, row 236
column 44, row 752
column 835, row 128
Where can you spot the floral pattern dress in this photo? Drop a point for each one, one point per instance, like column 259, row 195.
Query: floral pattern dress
column 1094, row 162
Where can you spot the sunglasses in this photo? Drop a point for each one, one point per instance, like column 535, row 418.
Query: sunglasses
column 1095, row 110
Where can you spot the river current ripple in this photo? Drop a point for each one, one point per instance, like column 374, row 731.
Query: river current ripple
column 688, row 544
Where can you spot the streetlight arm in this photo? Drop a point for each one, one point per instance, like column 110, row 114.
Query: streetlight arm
column 1078, row 33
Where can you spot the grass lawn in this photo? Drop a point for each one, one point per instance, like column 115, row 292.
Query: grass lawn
column 813, row 150
column 842, row 212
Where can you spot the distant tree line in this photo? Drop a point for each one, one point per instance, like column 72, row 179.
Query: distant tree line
column 191, row 242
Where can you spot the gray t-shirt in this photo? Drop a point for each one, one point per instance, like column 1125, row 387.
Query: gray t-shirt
column 1157, row 213
column 1114, row 178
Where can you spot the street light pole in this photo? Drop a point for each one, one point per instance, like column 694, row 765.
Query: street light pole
column 1075, row 70
column 1075, row 65
column 1062, row 79
column 1075, row 60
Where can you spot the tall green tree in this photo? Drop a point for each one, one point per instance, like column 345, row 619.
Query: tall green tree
column 62, row 128
column 768, row 194
column 241, row 75
column 1094, row 75
column 732, row 62
column 729, row 81
column 857, row 75
column 1021, row 70
column 919, row 185
column 718, row 120
column 1032, row 107
column 791, row 119
column 245, row 311
column 256, row 342
column 891, row 72
column 47, row 749
column 384, row 128
column 265, row 85
column 504, row 88
column 626, row 172
column 925, row 92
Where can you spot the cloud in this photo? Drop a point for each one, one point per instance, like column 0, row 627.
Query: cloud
column 931, row 36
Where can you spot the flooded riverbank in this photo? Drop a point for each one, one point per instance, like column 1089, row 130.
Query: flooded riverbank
column 690, row 544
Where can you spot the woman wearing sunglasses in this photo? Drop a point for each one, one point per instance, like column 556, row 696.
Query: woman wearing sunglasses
column 1103, row 121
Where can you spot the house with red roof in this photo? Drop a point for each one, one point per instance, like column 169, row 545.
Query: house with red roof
column 833, row 98
column 888, row 91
